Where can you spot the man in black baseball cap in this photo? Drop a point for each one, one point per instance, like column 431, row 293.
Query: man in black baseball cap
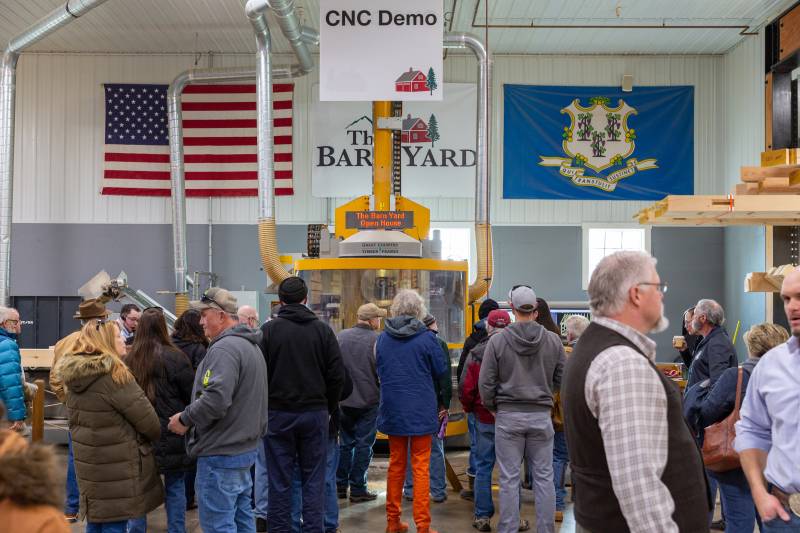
column 306, row 378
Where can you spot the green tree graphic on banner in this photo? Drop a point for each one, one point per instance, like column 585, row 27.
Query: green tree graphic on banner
column 431, row 81
column 433, row 130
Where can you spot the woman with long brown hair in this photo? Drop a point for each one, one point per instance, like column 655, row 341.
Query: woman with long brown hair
column 166, row 376
column 113, row 429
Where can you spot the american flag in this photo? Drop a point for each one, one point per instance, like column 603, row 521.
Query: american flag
column 219, row 140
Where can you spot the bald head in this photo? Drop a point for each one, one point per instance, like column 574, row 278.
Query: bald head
column 248, row 316
column 790, row 293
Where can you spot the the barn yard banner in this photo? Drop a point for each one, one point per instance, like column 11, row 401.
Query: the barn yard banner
column 437, row 153
column 219, row 140
column 597, row 143
column 380, row 50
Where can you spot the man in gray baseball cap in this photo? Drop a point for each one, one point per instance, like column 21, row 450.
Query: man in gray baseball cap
column 521, row 370
column 228, row 414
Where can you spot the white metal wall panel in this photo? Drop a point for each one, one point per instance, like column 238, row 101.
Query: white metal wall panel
column 744, row 108
column 60, row 120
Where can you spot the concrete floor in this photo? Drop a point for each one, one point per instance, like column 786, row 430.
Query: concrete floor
column 452, row 516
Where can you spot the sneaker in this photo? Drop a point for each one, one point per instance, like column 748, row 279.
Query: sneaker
column 261, row 524
column 341, row 493
column 559, row 516
column 718, row 525
column 400, row 527
column 365, row 497
column 408, row 497
column 71, row 517
column 191, row 505
column 467, row 494
column 481, row 524
column 439, row 499
column 524, row 525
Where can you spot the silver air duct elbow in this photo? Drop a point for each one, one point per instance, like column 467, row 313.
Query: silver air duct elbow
column 299, row 38
column 483, row 229
column 50, row 23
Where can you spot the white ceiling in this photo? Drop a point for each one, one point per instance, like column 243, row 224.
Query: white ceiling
column 166, row 26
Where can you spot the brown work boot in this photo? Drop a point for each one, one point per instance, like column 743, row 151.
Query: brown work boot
column 400, row 527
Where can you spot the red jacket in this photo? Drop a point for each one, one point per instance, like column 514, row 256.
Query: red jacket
column 469, row 396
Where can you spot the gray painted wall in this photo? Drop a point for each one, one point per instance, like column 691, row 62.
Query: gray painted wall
column 549, row 259
column 744, row 252
column 56, row 259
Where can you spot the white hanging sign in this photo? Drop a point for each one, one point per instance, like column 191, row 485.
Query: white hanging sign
column 380, row 50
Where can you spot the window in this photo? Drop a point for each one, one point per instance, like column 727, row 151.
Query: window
column 455, row 243
column 599, row 242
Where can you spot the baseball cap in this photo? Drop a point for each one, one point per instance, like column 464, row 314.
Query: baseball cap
column 522, row 298
column 498, row 318
column 216, row 298
column 370, row 310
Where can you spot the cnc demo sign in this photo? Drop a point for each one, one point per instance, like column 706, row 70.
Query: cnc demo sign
column 437, row 148
column 380, row 50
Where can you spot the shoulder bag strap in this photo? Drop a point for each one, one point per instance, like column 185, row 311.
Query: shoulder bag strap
column 738, row 403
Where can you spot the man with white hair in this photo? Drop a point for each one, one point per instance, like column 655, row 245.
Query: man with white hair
column 12, row 384
column 576, row 325
column 635, row 465
column 248, row 316
column 715, row 353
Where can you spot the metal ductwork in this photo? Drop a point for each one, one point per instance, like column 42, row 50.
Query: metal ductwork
column 299, row 37
column 483, row 228
column 52, row 22
column 177, row 172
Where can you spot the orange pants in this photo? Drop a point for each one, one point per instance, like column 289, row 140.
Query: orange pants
column 420, row 467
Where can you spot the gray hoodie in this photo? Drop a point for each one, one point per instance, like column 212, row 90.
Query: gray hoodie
column 521, row 369
column 228, row 413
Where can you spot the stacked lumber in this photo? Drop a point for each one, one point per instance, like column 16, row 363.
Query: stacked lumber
column 779, row 173
column 769, row 281
column 718, row 210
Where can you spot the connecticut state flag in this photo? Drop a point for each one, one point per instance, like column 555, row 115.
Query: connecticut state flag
column 597, row 143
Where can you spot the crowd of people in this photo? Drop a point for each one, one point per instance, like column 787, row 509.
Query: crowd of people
column 264, row 427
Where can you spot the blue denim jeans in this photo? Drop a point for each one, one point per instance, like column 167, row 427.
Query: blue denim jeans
column 484, row 459
column 72, row 501
column 779, row 526
column 740, row 511
column 331, row 519
column 472, row 467
column 261, row 482
column 296, row 438
column 174, row 504
column 356, row 438
column 437, row 472
column 137, row 525
column 107, row 527
column 223, row 486
column 560, row 462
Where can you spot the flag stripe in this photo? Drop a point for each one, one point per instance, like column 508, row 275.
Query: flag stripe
column 220, row 139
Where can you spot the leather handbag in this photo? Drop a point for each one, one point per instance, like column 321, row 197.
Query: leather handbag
column 718, row 452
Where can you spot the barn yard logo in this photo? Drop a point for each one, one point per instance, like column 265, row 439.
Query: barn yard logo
column 414, row 81
column 598, row 139
column 415, row 133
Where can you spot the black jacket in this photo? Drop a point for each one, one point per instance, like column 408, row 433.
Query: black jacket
column 712, row 356
column 691, row 342
column 304, row 364
column 478, row 334
column 194, row 350
column 173, row 394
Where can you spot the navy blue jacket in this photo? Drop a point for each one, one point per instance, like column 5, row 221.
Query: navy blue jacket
column 12, row 389
column 409, row 358
column 706, row 404
column 712, row 356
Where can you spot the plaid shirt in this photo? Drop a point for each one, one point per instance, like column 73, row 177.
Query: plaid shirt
column 628, row 399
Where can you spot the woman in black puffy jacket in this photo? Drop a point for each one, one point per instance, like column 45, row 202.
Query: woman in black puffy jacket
column 166, row 376
column 189, row 337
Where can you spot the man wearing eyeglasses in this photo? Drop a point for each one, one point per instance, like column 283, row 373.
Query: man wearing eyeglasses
column 635, row 465
column 128, row 321
column 227, row 417
column 715, row 353
column 12, row 384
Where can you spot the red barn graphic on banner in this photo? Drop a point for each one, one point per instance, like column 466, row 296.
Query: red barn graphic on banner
column 412, row 81
column 414, row 131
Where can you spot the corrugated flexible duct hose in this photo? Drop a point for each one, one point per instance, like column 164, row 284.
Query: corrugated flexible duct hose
column 483, row 278
column 181, row 303
column 268, row 246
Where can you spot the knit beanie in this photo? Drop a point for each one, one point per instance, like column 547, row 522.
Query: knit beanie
column 292, row 290
column 487, row 306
